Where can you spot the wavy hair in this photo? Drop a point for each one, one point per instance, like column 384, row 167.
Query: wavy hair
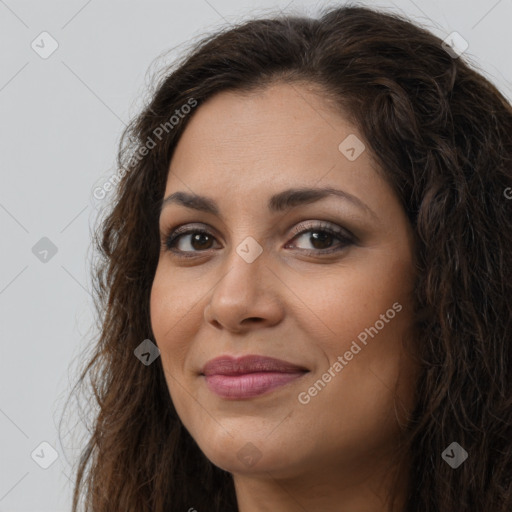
column 442, row 136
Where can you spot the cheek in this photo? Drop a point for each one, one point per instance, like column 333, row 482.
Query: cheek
column 170, row 305
column 168, row 312
column 361, row 313
column 174, row 298
column 339, row 305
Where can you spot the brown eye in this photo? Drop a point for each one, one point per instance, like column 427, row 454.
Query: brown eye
column 199, row 240
column 321, row 237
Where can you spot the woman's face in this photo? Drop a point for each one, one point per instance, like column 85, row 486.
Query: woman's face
column 265, row 278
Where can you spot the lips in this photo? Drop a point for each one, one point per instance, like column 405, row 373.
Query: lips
column 249, row 376
column 227, row 365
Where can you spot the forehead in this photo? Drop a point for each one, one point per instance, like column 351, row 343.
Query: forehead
column 253, row 143
column 259, row 125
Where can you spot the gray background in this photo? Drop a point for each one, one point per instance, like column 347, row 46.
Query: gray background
column 61, row 118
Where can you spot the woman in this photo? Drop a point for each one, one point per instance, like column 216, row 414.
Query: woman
column 305, row 284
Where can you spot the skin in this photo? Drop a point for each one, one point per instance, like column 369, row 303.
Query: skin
column 239, row 149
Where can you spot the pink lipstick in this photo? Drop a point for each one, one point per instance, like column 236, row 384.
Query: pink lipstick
column 248, row 376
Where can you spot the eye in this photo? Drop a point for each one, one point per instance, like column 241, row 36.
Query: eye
column 197, row 239
column 185, row 241
column 321, row 237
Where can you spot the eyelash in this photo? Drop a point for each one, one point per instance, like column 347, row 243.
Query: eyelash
column 346, row 239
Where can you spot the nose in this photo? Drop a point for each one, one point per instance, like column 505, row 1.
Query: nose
column 247, row 294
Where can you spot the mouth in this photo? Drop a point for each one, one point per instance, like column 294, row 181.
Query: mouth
column 249, row 376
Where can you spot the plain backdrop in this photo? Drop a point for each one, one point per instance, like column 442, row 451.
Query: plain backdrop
column 61, row 118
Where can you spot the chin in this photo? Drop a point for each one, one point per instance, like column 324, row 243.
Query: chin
column 251, row 454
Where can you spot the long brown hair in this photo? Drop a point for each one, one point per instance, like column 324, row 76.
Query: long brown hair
column 442, row 135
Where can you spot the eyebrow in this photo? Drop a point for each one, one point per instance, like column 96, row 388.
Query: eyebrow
column 285, row 200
